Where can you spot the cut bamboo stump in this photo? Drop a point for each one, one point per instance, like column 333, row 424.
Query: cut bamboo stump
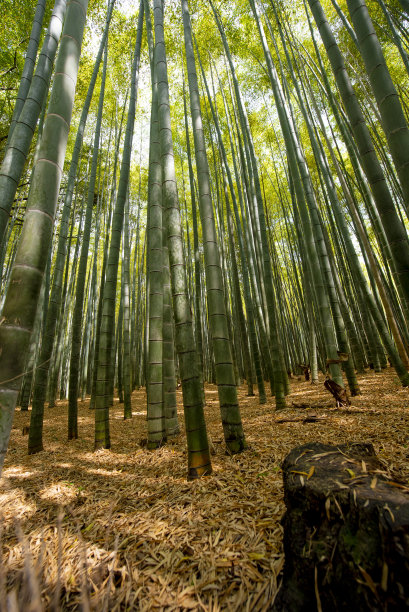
column 346, row 532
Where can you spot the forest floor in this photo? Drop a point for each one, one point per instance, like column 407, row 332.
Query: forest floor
column 133, row 534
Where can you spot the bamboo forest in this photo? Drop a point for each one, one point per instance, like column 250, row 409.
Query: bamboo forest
column 204, row 305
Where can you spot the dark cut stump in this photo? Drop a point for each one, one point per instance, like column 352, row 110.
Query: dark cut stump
column 346, row 532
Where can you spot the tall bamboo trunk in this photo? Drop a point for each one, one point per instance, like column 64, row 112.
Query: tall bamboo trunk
column 23, row 132
column 105, row 352
column 225, row 378
column 35, row 241
column 198, row 448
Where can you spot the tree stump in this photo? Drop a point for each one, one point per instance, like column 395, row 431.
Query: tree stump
column 346, row 532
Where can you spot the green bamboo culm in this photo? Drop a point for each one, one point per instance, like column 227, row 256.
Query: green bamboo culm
column 35, row 439
column 35, row 241
column 396, row 38
column 155, row 259
column 107, row 332
column 302, row 188
column 23, row 131
column 244, row 257
column 77, row 317
column 155, row 395
column 225, row 378
column 169, row 375
column 198, row 448
column 29, row 64
column 395, row 231
column 321, row 237
column 393, row 119
column 127, row 321
column 112, row 197
column 196, row 252
column 278, row 378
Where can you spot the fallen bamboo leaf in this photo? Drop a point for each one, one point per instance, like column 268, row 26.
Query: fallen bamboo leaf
column 256, row 556
column 368, row 580
column 384, row 581
column 397, row 485
column 317, row 594
column 327, row 508
column 311, row 472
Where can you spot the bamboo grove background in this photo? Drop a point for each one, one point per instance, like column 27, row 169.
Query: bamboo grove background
column 197, row 192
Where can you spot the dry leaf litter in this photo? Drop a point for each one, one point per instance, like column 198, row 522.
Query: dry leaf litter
column 124, row 530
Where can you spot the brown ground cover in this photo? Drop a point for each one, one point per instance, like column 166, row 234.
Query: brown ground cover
column 124, row 530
